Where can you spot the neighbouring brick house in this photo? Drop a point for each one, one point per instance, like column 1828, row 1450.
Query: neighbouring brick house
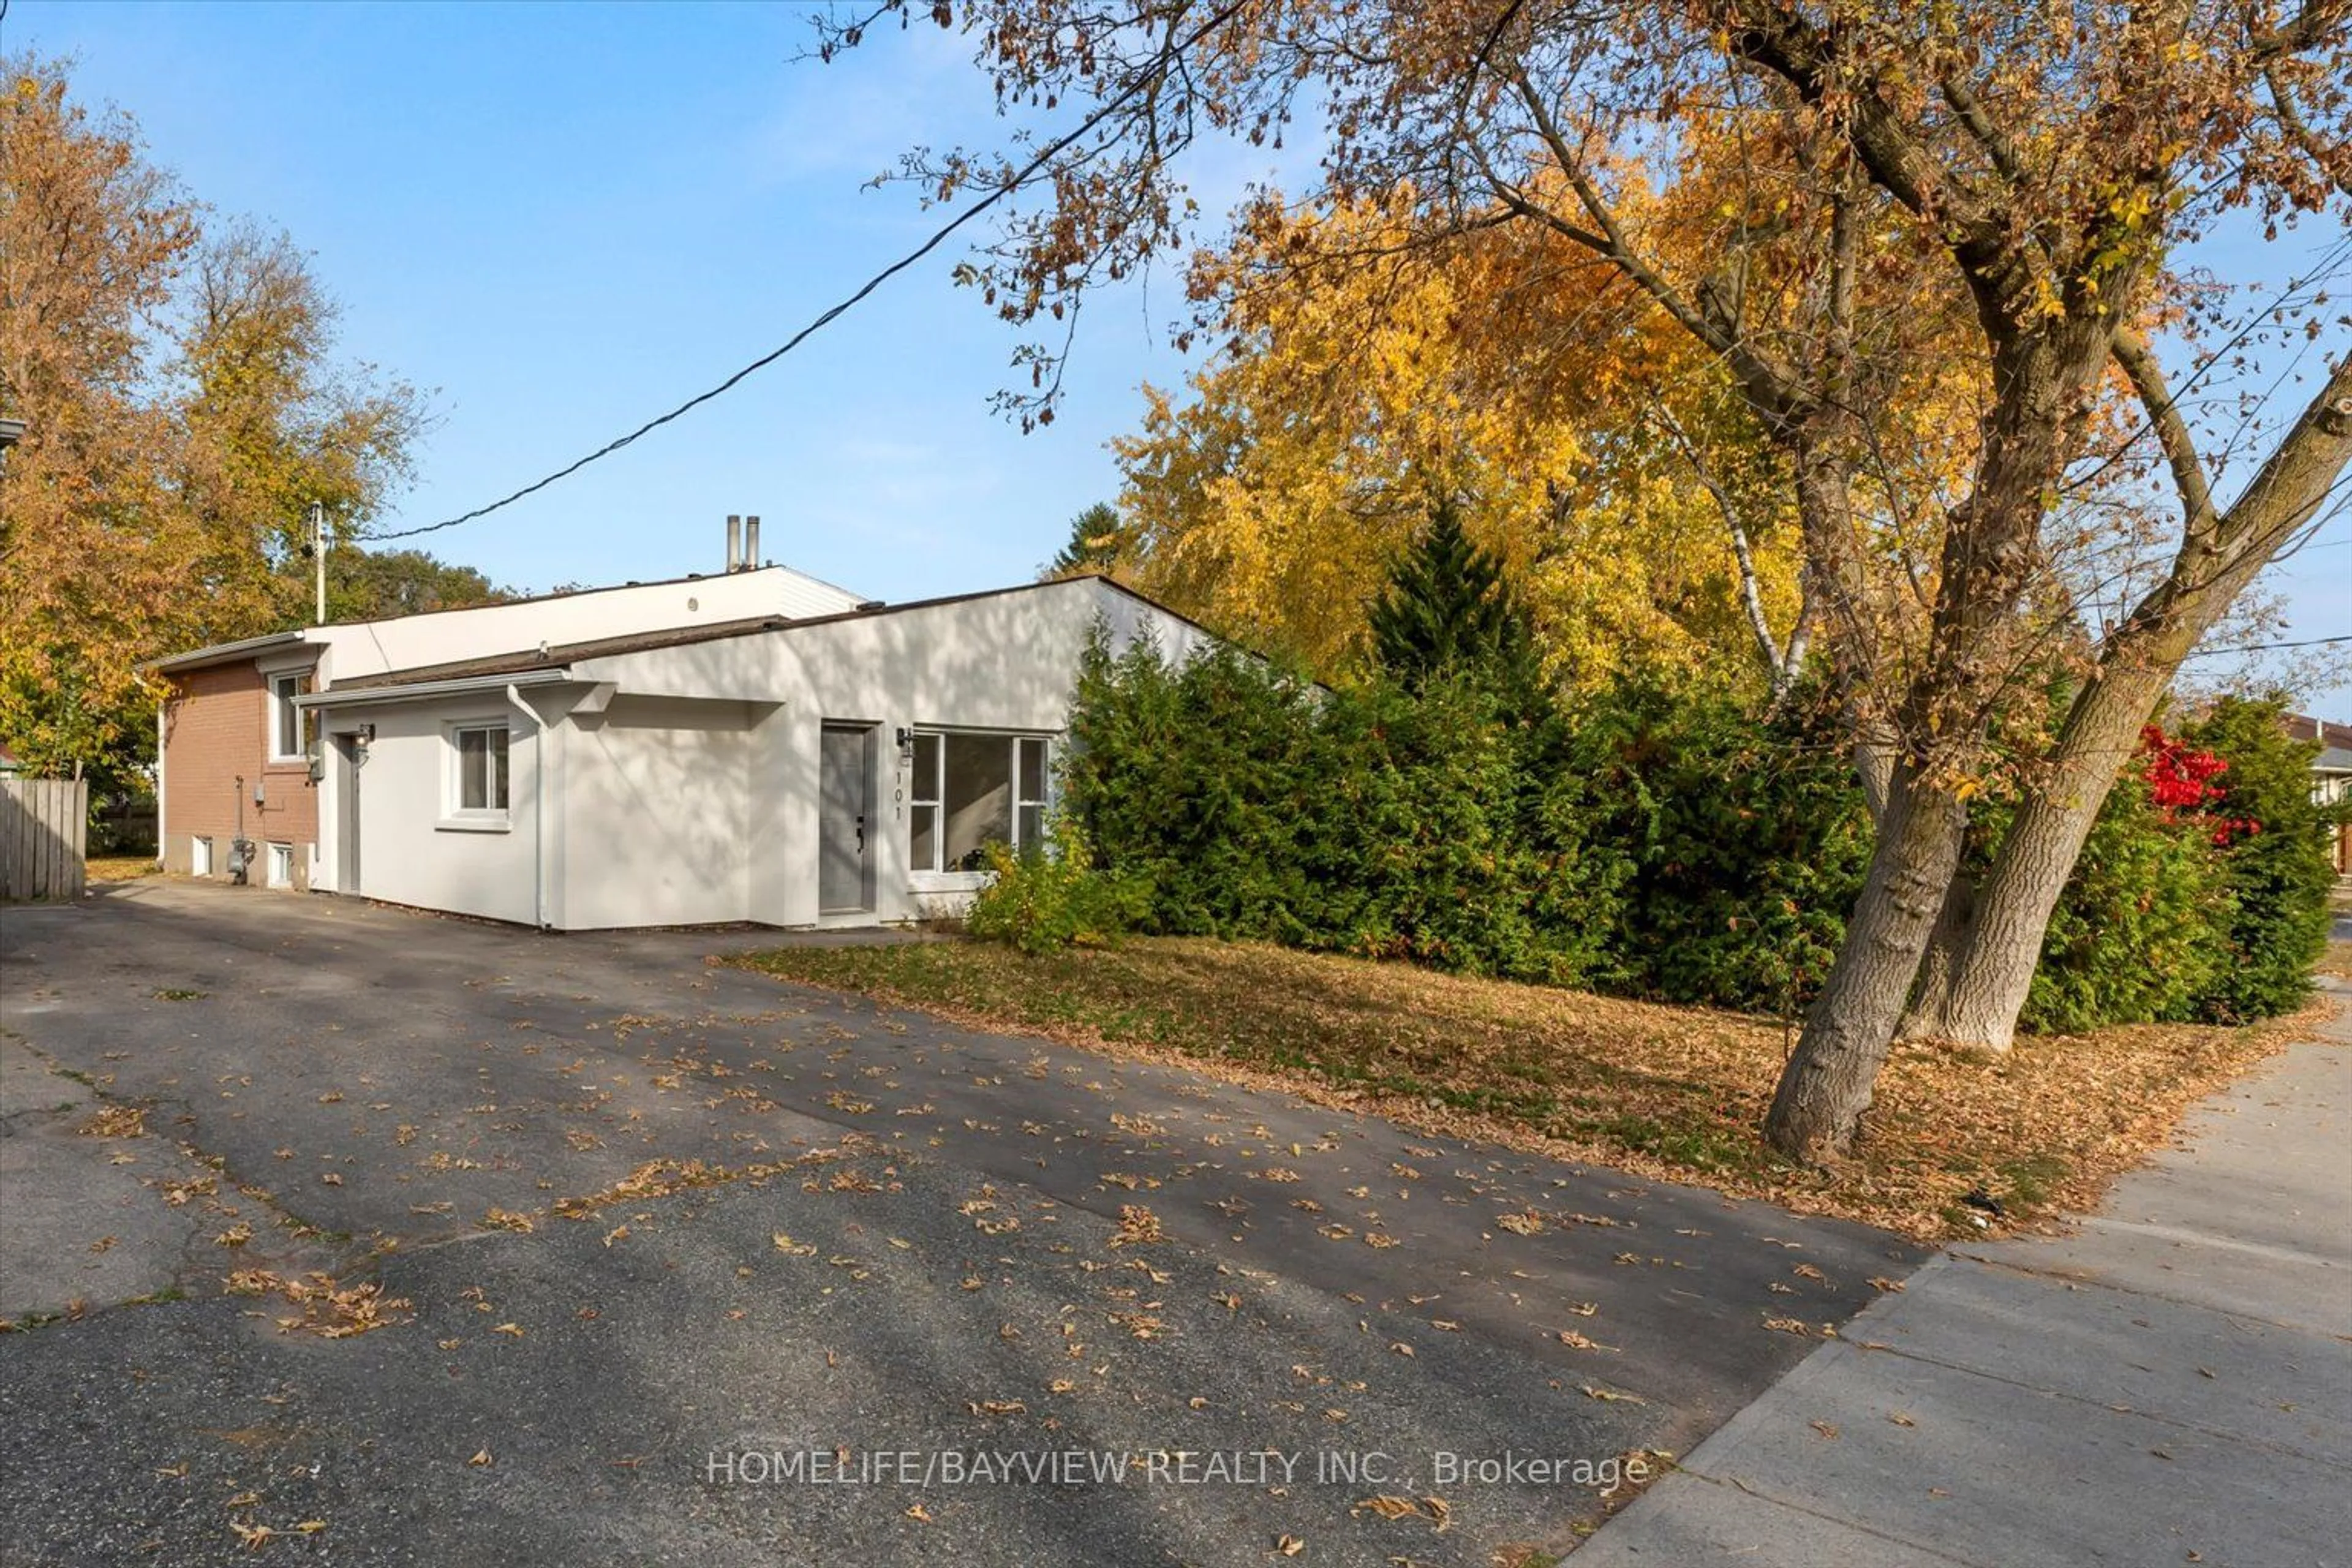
column 236, row 757
column 237, row 790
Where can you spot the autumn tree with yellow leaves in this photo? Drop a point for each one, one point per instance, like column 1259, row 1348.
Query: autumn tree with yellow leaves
column 183, row 409
column 1272, row 499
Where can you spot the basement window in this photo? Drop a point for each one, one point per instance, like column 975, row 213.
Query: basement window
column 200, row 856
column 478, row 776
column 289, row 727
column 281, row 866
column 969, row 791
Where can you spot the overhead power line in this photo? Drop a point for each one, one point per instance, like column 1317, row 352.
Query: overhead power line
column 1046, row 155
column 2271, row 646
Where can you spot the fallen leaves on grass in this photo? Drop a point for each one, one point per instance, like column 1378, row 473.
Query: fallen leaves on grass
column 1677, row 1093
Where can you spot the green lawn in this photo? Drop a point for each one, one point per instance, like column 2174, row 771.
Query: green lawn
column 1673, row 1092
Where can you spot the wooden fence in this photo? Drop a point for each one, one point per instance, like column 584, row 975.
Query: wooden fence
column 42, row 823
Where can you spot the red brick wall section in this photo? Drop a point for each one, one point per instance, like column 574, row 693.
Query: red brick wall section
column 215, row 729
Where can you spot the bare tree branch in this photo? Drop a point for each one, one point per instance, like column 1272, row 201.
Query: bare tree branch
column 2172, row 433
column 2333, row 164
column 1751, row 594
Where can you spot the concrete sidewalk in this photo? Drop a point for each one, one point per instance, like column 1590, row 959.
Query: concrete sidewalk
column 2171, row 1383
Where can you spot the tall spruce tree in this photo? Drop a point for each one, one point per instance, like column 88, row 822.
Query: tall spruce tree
column 1449, row 610
column 1096, row 535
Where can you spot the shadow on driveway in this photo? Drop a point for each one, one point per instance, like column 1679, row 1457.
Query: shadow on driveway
column 928, row 1241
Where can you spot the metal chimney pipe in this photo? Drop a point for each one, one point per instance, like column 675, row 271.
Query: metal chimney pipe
column 750, row 543
column 734, row 542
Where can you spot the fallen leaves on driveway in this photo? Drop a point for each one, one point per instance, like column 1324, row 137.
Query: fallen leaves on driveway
column 115, row 1122
column 331, row 1310
column 1137, row 1227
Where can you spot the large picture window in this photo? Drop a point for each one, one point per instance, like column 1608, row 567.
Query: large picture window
column 481, row 781
column 289, row 727
column 970, row 791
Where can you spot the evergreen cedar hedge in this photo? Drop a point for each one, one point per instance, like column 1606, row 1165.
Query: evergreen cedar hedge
column 1661, row 841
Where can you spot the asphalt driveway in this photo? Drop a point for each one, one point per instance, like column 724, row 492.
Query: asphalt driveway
column 649, row 1216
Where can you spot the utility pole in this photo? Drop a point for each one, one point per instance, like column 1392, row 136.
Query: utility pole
column 318, row 555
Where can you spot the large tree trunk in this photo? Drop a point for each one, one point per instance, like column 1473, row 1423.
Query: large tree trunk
column 1990, row 552
column 1828, row 1084
column 1987, row 987
column 1979, row 997
column 1948, row 946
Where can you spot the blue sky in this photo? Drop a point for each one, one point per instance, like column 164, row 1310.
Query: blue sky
column 563, row 220
column 566, row 219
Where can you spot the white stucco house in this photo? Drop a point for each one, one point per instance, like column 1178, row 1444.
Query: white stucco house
column 241, row 761
column 831, row 763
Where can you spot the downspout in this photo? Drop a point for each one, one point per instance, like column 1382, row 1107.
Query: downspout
column 163, row 839
column 538, row 808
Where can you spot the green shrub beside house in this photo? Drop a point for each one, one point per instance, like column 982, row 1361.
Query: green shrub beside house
column 1663, row 841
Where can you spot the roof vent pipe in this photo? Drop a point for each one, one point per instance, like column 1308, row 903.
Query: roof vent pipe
column 750, row 543
column 734, row 542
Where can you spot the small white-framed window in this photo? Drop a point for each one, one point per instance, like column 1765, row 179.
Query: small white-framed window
column 969, row 790
column 281, row 873
column 1030, row 779
column 477, row 773
column 200, row 856
column 290, row 728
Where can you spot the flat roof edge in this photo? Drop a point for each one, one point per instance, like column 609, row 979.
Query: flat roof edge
column 222, row 653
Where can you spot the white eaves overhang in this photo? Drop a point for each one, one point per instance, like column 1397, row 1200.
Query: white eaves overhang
column 413, row 691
